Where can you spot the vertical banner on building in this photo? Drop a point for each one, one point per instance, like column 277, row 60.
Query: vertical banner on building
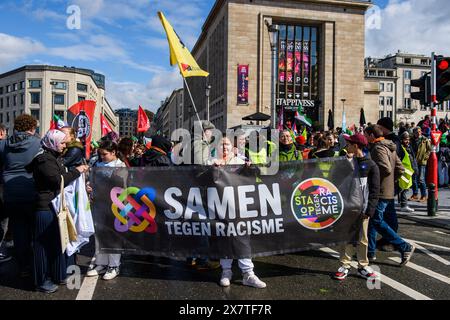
column 243, row 84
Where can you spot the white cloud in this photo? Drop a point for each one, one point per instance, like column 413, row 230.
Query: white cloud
column 131, row 94
column 413, row 26
column 13, row 49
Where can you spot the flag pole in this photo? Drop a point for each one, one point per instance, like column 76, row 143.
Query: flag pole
column 193, row 103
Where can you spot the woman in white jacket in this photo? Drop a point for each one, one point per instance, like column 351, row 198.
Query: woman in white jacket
column 107, row 265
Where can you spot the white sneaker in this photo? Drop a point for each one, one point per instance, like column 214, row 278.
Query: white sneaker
column 225, row 280
column 111, row 273
column 406, row 209
column 96, row 271
column 252, row 280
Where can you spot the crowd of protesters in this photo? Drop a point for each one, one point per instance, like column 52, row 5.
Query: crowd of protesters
column 388, row 166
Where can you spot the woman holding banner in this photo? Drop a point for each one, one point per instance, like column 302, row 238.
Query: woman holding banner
column 227, row 157
column 107, row 264
column 47, row 167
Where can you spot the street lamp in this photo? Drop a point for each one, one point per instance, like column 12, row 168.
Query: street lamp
column 208, row 89
column 53, row 84
column 273, row 38
column 344, row 119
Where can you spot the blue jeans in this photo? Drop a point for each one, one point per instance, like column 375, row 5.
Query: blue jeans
column 419, row 181
column 378, row 225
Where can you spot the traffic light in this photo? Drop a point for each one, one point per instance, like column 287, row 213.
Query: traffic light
column 442, row 78
column 424, row 95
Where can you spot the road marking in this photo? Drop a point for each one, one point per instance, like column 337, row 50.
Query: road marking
column 429, row 244
column 423, row 270
column 87, row 288
column 440, row 232
column 432, row 255
column 390, row 282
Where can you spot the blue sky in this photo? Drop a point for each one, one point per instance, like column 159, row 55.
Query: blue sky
column 125, row 41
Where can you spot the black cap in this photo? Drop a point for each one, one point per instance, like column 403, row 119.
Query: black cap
column 386, row 123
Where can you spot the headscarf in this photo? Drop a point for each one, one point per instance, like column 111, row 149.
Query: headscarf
column 53, row 139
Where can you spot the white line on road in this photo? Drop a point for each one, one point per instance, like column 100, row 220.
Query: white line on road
column 87, row 288
column 423, row 270
column 440, row 232
column 390, row 282
column 429, row 244
column 432, row 255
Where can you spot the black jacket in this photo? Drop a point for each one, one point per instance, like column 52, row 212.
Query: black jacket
column 154, row 158
column 47, row 170
column 369, row 172
column 74, row 155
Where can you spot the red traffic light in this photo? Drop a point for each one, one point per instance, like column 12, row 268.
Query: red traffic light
column 443, row 65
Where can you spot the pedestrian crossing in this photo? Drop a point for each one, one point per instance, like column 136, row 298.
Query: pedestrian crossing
column 416, row 290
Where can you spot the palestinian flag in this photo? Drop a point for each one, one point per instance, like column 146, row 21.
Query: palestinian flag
column 57, row 123
column 299, row 115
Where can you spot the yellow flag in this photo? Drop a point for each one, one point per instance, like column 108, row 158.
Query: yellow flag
column 179, row 54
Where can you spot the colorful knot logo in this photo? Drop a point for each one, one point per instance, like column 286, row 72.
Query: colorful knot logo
column 134, row 209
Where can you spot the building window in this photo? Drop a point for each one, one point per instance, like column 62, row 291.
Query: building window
column 441, row 107
column 424, row 62
column 35, row 84
column 389, row 114
column 407, row 88
column 8, row 89
column 35, row 97
column 14, row 115
column 82, row 87
column 81, row 98
column 389, row 101
column 390, row 87
column 381, row 87
column 298, row 66
column 1, row 117
column 60, row 85
column 408, row 74
column 22, row 85
column 1, row 103
column 15, row 86
column 7, row 102
column 408, row 103
column 382, row 101
column 7, row 117
column 407, row 60
column 1, row 90
column 59, row 99
column 15, row 100
column 35, row 113
column 423, row 73
column 22, row 99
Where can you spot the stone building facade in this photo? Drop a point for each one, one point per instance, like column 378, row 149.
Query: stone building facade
column 322, row 49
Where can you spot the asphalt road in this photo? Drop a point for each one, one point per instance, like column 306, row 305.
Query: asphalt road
column 300, row 276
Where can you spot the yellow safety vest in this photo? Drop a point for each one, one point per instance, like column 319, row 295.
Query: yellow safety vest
column 405, row 181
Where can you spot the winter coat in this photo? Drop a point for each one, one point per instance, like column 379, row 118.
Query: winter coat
column 329, row 153
column 370, row 183
column 74, row 155
column 15, row 154
column 292, row 154
column 47, row 168
column 384, row 154
column 422, row 150
column 155, row 158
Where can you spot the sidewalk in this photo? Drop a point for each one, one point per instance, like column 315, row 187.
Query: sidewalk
column 442, row 218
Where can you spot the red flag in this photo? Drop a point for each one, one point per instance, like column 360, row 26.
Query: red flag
column 143, row 121
column 84, row 117
column 106, row 128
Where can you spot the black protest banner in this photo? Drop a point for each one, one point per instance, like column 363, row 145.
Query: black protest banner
column 227, row 212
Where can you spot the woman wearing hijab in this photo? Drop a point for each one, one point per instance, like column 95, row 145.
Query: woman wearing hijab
column 48, row 168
